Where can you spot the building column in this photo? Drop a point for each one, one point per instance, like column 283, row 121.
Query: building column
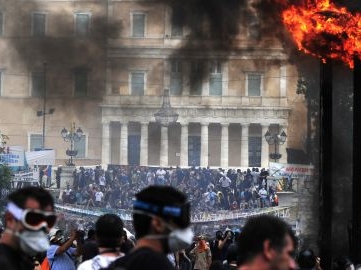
column 144, row 144
column 244, row 146
column 163, row 159
column 184, row 145
column 106, row 143
column 204, row 144
column 265, row 148
column 108, row 78
column 283, row 80
column 282, row 148
column 224, row 145
column 124, row 144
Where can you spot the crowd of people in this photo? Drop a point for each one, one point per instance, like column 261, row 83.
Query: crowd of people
column 207, row 189
column 164, row 239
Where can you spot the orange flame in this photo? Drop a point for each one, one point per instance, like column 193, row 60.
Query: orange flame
column 325, row 30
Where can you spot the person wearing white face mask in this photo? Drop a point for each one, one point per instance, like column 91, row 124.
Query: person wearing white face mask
column 28, row 218
column 161, row 219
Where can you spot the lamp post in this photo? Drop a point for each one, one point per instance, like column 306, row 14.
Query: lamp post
column 166, row 114
column 71, row 136
column 275, row 139
column 43, row 113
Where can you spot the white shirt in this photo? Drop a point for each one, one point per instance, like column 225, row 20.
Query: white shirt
column 225, row 181
column 263, row 193
column 98, row 196
column 102, row 180
column 99, row 261
column 161, row 173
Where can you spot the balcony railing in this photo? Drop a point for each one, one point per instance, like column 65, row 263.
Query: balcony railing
column 197, row 101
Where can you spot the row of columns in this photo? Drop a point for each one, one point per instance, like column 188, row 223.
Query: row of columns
column 184, row 145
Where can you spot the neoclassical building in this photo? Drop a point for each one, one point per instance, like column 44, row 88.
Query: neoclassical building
column 107, row 65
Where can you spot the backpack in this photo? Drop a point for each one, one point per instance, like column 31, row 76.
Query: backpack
column 45, row 265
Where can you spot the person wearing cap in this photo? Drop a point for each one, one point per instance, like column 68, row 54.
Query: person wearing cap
column 109, row 232
column 161, row 221
column 28, row 218
column 60, row 254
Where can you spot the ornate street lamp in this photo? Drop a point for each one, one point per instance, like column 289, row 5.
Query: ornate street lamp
column 44, row 112
column 275, row 139
column 166, row 115
column 71, row 136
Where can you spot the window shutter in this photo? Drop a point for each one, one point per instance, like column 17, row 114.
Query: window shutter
column 137, row 83
column 254, row 85
column 138, row 25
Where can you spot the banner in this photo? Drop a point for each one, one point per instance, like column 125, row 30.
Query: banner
column 290, row 170
column 46, row 157
column 14, row 156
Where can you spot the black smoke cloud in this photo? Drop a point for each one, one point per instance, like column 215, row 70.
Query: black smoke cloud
column 58, row 46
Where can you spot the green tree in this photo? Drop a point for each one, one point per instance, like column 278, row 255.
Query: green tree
column 5, row 176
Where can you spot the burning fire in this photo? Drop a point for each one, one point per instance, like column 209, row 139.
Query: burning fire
column 325, row 30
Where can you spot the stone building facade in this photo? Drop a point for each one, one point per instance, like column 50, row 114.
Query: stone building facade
column 107, row 65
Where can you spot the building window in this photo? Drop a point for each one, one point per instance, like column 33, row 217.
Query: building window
column 82, row 21
column 1, row 23
column 195, row 79
column 36, row 142
column 80, row 83
column 254, row 27
column 138, row 25
column 80, row 146
column 38, row 25
column 137, row 83
column 215, row 79
column 177, row 23
column 254, row 85
column 38, row 84
column 176, row 78
column 254, row 151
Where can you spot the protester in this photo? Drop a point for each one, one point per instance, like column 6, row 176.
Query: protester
column 342, row 263
column 307, row 260
column 61, row 254
column 126, row 245
column 109, row 232
column 268, row 243
column 161, row 222
column 90, row 247
column 37, row 265
column 202, row 254
column 28, row 218
column 208, row 190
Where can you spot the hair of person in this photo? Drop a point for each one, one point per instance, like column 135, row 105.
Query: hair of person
column 108, row 230
column 20, row 196
column 306, row 258
column 159, row 195
column 91, row 233
column 259, row 229
column 341, row 263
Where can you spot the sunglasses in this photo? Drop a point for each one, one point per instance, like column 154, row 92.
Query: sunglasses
column 32, row 219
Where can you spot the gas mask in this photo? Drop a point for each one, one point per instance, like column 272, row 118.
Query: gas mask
column 31, row 242
column 173, row 239
column 176, row 240
column 179, row 239
column 33, row 239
